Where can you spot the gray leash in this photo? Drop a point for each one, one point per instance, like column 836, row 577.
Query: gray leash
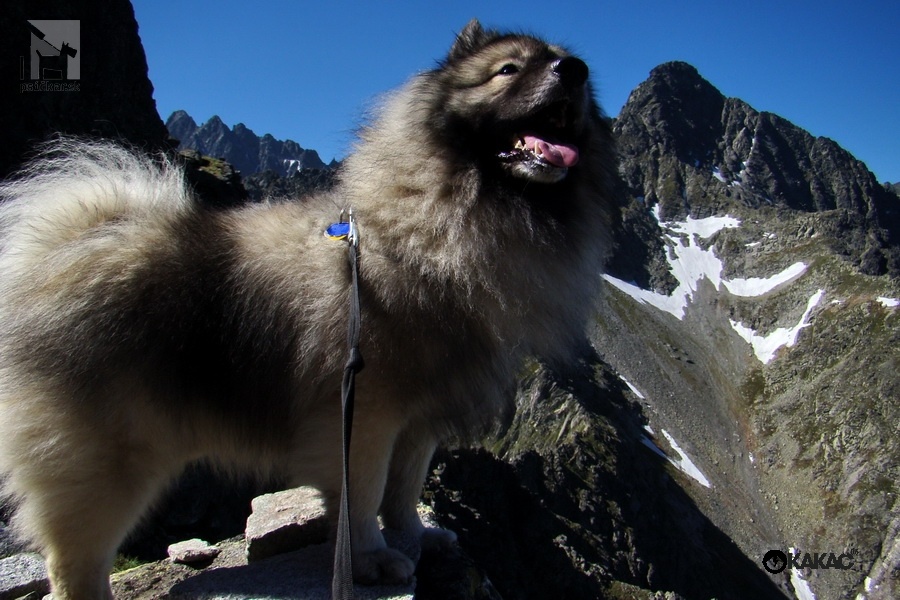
column 342, row 581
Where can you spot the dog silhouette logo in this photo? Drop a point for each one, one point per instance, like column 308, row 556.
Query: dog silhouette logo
column 52, row 51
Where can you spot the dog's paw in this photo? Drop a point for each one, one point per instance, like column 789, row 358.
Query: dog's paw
column 436, row 539
column 385, row 565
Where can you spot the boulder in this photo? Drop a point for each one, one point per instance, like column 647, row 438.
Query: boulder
column 23, row 574
column 192, row 551
column 285, row 521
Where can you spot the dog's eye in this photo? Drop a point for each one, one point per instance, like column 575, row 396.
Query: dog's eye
column 508, row 69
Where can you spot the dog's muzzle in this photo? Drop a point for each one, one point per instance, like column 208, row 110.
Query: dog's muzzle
column 541, row 152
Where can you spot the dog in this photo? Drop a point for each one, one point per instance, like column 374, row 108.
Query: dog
column 142, row 330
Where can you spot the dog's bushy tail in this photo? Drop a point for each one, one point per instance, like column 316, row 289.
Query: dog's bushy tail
column 75, row 185
column 77, row 203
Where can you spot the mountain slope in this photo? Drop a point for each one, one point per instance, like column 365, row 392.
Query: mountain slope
column 760, row 325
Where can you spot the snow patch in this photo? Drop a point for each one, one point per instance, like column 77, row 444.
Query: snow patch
column 690, row 264
column 292, row 165
column 766, row 346
column 684, row 463
column 889, row 302
column 633, row 389
column 649, row 443
column 756, row 286
column 801, row 586
column 674, row 304
column 705, row 228
column 868, row 587
column 718, row 175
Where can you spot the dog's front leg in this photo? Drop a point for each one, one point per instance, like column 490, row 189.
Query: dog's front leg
column 409, row 466
column 374, row 435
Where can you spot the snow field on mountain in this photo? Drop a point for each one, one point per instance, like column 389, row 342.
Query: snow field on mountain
column 766, row 346
column 691, row 263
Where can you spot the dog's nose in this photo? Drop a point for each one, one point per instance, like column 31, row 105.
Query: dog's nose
column 572, row 71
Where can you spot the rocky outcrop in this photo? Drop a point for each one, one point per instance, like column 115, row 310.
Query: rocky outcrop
column 113, row 97
column 298, row 184
column 570, row 500
column 216, row 182
column 241, row 147
column 284, row 554
column 284, row 521
column 23, row 574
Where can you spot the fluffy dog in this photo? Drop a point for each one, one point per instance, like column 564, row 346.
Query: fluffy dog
column 141, row 331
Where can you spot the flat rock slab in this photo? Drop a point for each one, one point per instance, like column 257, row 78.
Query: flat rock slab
column 23, row 574
column 192, row 551
column 302, row 574
column 284, row 522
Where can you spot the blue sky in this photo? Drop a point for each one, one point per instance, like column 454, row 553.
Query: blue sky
column 309, row 71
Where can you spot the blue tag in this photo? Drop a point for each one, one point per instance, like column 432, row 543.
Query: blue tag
column 338, row 231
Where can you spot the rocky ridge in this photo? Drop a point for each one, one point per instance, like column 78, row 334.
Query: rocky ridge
column 688, row 148
column 241, row 147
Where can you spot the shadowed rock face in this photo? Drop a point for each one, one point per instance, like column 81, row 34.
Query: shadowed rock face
column 569, row 501
column 114, row 98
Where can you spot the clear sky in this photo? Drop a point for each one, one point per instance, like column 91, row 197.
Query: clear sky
column 308, row 71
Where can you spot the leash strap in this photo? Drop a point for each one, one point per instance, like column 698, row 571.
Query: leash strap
column 342, row 581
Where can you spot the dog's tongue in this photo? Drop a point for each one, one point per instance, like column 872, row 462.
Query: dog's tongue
column 557, row 154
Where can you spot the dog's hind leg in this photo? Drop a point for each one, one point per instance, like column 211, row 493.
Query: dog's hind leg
column 409, row 466
column 81, row 541
column 80, row 485
column 80, row 523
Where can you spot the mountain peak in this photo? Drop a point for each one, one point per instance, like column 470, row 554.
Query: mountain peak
column 683, row 81
column 687, row 147
column 675, row 68
column 179, row 115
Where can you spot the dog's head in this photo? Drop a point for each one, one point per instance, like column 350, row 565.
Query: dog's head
column 514, row 102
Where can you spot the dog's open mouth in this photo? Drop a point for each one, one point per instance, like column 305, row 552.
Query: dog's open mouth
column 538, row 158
column 558, row 154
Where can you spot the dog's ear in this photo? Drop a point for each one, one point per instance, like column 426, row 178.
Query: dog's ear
column 470, row 39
